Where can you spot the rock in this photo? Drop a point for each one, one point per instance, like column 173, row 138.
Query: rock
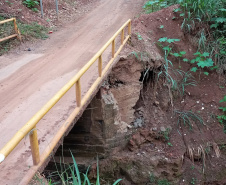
column 170, row 128
column 141, row 109
column 122, row 58
column 156, row 103
column 138, row 123
column 163, row 129
column 154, row 129
column 135, row 125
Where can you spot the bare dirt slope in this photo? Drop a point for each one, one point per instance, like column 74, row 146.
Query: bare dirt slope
column 29, row 79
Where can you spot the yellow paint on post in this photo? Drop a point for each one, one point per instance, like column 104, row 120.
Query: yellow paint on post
column 78, row 93
column 100, row 65
column 122, row 36
column 34, row 146
column 15, row 27
column 113, row 48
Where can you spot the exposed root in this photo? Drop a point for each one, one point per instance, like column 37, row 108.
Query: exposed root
column 201, row 152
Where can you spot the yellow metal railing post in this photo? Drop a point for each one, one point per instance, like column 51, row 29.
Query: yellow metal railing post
column 100, row 65
column 34, row 146
column 16, row 29
column 17, row 34
column 129, row 27
column 78, row 93
column 113, row 48
column 122, row 36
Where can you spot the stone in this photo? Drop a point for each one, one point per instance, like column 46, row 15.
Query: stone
column 138, row 123
column 122, row 58
column 154, row 129
column 163, row 129
column 156, row 103
column 169, row 128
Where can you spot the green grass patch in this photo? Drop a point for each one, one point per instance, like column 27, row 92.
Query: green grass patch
column 28, row 32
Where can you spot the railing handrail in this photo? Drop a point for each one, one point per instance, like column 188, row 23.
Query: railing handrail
column 15, row 28
column 29, row 127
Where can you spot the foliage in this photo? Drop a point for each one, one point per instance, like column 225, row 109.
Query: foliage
column 202, row 61
column 193, row 180
column 187, row 118
column 139, row 37
column 195, row 13
column 154, row 5
column 71, row 175
column 30, row 3
column 28, row 31
column 182, row 78
column 212, row 12
column 153, row 180
column 222, row 118
column 33, row 30
column 165, row 134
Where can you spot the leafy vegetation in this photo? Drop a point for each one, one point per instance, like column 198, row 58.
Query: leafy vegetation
column 32, row 4
column 222, row 118
column 70, row 174
column 210, row 39
column 33, row 30
column 155, row 181
column 188, row 118
column 28, row 31
column 180, row 78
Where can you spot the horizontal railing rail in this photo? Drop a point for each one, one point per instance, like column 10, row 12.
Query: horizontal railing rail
column 17, row 34
column 30, row 126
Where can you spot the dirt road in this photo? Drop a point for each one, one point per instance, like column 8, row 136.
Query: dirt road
column 30, row 79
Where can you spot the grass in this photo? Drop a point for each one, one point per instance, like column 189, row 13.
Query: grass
column 207, row 18
column 155, row 181
column 28, row 32
column 33, row 30
column 187, row 118
column 70, row 174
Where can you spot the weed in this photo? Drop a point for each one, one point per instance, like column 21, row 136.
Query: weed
column 179, row 55
column 193, row 180
column 154, row 5
column 30, row 3
column 222, row 147
column 165, row 134
column 202, row 61
column 187, row 118
column 170, row 144
column 33, row 30
column 222, row 118
column 9, row 3
column 195, row 13
column 139, row 37
column 153, row 180
column 70, row 174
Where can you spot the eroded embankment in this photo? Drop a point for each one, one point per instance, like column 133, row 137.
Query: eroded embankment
column 137, row 123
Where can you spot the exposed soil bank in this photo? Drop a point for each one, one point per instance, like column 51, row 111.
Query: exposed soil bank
column 135, row 122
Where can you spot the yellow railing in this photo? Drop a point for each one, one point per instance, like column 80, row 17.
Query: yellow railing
column 30, row 126
column 16, row 30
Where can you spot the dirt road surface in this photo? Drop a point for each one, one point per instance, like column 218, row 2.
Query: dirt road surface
column 29, row 79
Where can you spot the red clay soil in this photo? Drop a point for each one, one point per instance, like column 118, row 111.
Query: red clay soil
column 68, row 11
column 205, row 140
column 28, row 79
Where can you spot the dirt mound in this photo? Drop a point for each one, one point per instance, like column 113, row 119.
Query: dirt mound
column 177, row 135
column 68, row 11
